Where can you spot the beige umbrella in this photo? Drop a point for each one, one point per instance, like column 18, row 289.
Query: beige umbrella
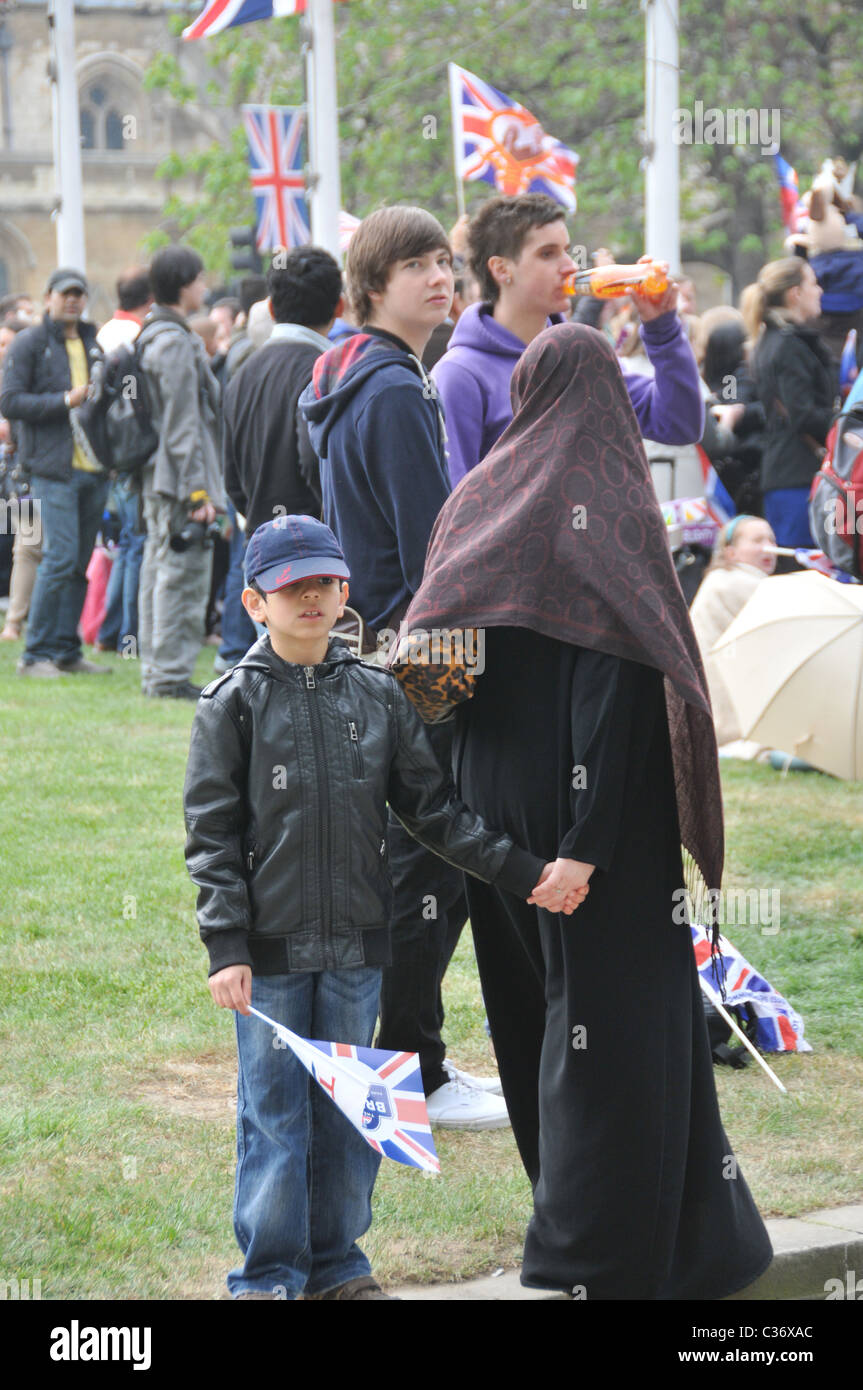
column 793, row 664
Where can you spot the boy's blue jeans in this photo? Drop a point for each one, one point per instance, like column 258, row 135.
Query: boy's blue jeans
column 304, row 1174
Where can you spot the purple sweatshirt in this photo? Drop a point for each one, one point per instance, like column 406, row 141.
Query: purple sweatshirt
column 474, row 373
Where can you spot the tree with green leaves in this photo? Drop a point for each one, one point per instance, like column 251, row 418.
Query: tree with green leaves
column 580, row 70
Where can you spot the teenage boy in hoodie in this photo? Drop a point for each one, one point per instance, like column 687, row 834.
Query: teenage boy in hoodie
column 518, row 248
column 376, row 424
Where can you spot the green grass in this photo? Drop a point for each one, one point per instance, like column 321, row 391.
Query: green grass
column 116, row 1126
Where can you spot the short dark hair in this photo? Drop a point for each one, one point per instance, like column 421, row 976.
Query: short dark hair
column 500, row 228
column 133, row 288
column 305, row 286
column 172, row 269
column 252, row 289
column 386, row 236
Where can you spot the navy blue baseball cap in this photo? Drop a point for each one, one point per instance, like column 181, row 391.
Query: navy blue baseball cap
column 289, row 548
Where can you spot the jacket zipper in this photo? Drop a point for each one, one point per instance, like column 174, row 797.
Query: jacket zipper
column 324, row 811
column 356, row 750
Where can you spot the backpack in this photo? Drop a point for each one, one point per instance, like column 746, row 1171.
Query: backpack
column 130, row 437
column 836, row 496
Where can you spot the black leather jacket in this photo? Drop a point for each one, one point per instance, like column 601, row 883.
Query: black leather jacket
column 290, row 771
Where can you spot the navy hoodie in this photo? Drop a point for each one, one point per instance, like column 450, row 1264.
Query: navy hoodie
column 376, row 424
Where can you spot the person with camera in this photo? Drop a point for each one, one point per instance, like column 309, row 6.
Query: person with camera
column 181, row 484
column 46, row 377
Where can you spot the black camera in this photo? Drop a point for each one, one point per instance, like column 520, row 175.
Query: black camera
column 200, row 533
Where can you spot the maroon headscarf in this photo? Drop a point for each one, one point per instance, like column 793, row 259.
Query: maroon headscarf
column 559, row 530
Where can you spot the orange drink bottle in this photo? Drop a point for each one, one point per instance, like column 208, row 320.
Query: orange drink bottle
column 613, row 281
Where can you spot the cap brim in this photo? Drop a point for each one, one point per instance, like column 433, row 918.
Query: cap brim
column 281, row 575
column 66, row 285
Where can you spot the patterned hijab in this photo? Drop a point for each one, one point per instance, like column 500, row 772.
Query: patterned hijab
column 559, row 530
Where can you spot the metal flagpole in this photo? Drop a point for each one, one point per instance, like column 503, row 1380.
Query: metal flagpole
column 455, row 107
column 322, row 125
column 69, row 214
column 662, row 162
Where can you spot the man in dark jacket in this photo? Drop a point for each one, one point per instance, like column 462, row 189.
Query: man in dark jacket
column 46, row 377
column 270, row 466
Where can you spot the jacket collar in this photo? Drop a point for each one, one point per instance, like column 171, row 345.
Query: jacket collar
column 161, row 313
column 262, row 657
column 86, row 330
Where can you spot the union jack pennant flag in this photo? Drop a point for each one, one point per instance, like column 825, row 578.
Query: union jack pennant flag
column 276, row 156
column 777, row 1027
column 499, row 141
column 380, row 1092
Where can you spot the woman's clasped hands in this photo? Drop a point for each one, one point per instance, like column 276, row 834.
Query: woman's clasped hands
column 563, row 886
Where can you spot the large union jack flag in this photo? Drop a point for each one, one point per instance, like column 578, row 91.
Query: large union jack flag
column 777, row 1027
column 499, row 141
column 276, row 155
column 380, row 1092
column 224, row 14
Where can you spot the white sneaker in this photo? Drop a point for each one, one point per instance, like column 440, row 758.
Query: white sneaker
column 489, row 1084
column 457, row 1106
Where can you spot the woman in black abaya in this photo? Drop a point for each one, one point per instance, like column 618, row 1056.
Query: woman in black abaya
column 588, row 737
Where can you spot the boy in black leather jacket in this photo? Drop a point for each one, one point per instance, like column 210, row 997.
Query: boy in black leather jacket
column 294, row 755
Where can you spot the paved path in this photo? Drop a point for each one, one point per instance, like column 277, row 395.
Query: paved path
column 810, row 1251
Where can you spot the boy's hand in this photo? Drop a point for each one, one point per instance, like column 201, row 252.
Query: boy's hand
column 231, row 988
column 563, row 886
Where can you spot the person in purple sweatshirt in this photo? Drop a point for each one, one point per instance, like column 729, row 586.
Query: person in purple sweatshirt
column 518, row 248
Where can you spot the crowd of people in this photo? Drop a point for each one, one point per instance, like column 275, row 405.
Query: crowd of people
column 405, row 447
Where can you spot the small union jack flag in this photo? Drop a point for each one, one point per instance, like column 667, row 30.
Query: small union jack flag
column 499, row 141
column 276, row 157
column 795, row 214
column 380, row 1092
column 777, row 1027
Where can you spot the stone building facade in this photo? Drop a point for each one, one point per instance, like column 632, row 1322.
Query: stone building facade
column 126, row 131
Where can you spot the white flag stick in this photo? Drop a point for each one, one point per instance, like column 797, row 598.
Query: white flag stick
column 741, row 1035
column 455, row 108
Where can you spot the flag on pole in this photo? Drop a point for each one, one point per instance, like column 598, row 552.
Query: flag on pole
column 716, row 495
column 224, row 14
column 794, row 212
column 777, row 1027
column 276, row 157
column 848, row 362
column 499, row 141
column 380, row 1092
column 347, row 226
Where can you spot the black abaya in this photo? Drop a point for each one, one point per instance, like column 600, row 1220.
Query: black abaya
column 597, row 1018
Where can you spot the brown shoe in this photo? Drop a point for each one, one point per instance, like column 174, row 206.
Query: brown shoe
column 38, row 668
column 363, row 1288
